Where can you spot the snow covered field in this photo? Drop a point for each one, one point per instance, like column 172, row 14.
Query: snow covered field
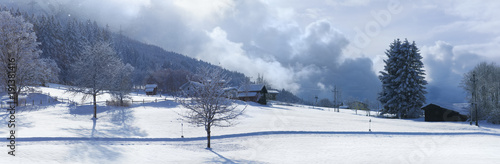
column 60, row 132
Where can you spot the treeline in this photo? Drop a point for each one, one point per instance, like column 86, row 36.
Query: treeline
column 286, row 96
column 63, row 39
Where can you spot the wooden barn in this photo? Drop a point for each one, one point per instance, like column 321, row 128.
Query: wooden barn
column 272, row 93
column 434, row 112
column 253, row 92
column 231, row 92
column 151, row 89
column 189, row 88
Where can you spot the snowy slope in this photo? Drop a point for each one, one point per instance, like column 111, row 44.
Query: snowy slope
column 60, row 132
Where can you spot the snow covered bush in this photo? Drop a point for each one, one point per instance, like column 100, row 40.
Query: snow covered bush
column 403, row 83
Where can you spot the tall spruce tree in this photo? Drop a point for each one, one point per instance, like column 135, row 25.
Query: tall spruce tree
column 403, row 83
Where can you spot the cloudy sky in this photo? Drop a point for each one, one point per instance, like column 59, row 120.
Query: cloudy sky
column 308, row 47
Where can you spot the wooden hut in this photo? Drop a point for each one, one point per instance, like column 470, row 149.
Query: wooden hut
column 434, row 112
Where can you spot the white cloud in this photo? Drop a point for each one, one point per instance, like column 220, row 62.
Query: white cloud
column 348, row 2
column 445, row 66
column 202, row 11
column 231, row 56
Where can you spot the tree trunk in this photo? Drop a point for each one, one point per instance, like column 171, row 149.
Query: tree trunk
column 95, row 105
column 16, row 95
column 121, row 99
column 16, row 98
column 208, row 137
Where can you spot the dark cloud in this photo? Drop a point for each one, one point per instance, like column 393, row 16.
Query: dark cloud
column 445, row 68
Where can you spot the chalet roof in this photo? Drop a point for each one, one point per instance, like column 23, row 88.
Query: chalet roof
column 272, row 91
column 229, row 88
column 461, row 108
column 151, row 85
column 190, row 83
column 219, row 81
column 247, row 94
column 251, row 88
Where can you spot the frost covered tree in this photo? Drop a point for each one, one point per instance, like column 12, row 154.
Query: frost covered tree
column 483, row 87
column 210, row 107
column 403, row 84
column 48, row 71
column 95, row 71
column 325, row 103
column 122, row 83
column 18, row 42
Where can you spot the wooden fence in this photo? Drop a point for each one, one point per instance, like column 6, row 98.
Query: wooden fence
column 40, row 102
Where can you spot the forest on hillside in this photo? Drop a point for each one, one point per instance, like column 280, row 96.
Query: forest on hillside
column 63, row 38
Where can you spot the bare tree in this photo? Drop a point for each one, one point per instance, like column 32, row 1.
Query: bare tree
column 95, row 71
column 209, row 107
column 122, row 84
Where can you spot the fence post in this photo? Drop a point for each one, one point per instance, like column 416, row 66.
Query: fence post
column 155, row 101
column 142, row 101
column 33, row 102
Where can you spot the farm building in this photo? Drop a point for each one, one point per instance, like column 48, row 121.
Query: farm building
column 272, row 93
column 151, row 89
column 231, row 92
column 436, row 113
column 253, row 92
column 189, row 88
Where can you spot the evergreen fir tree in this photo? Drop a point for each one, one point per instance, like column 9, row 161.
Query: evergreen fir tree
column 403, row 83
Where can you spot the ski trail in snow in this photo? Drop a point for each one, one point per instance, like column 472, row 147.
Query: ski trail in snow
column 251, row 134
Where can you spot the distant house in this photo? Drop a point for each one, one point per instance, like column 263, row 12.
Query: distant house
column 189, row 88
column 253, row 92
column 272, row 93
column 231, row 92
column 436, row 113
column 151, row 89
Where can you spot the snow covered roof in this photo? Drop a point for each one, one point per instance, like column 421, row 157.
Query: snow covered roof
column 151, row 86
column 251, row 88
column 247, row 94
column 190, row 83
column 229, row 88
column 462, row 108
column 219, row 81
column 272, row 91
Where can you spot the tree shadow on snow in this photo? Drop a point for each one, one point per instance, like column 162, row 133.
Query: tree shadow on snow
column 222, row 159
column 31, row 102
column 121, row 119
column 76, row 110
column 124, row 118
column 158, row 104
column 93, row 152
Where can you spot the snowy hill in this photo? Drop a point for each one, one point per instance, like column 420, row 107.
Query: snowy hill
column 150, row 132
